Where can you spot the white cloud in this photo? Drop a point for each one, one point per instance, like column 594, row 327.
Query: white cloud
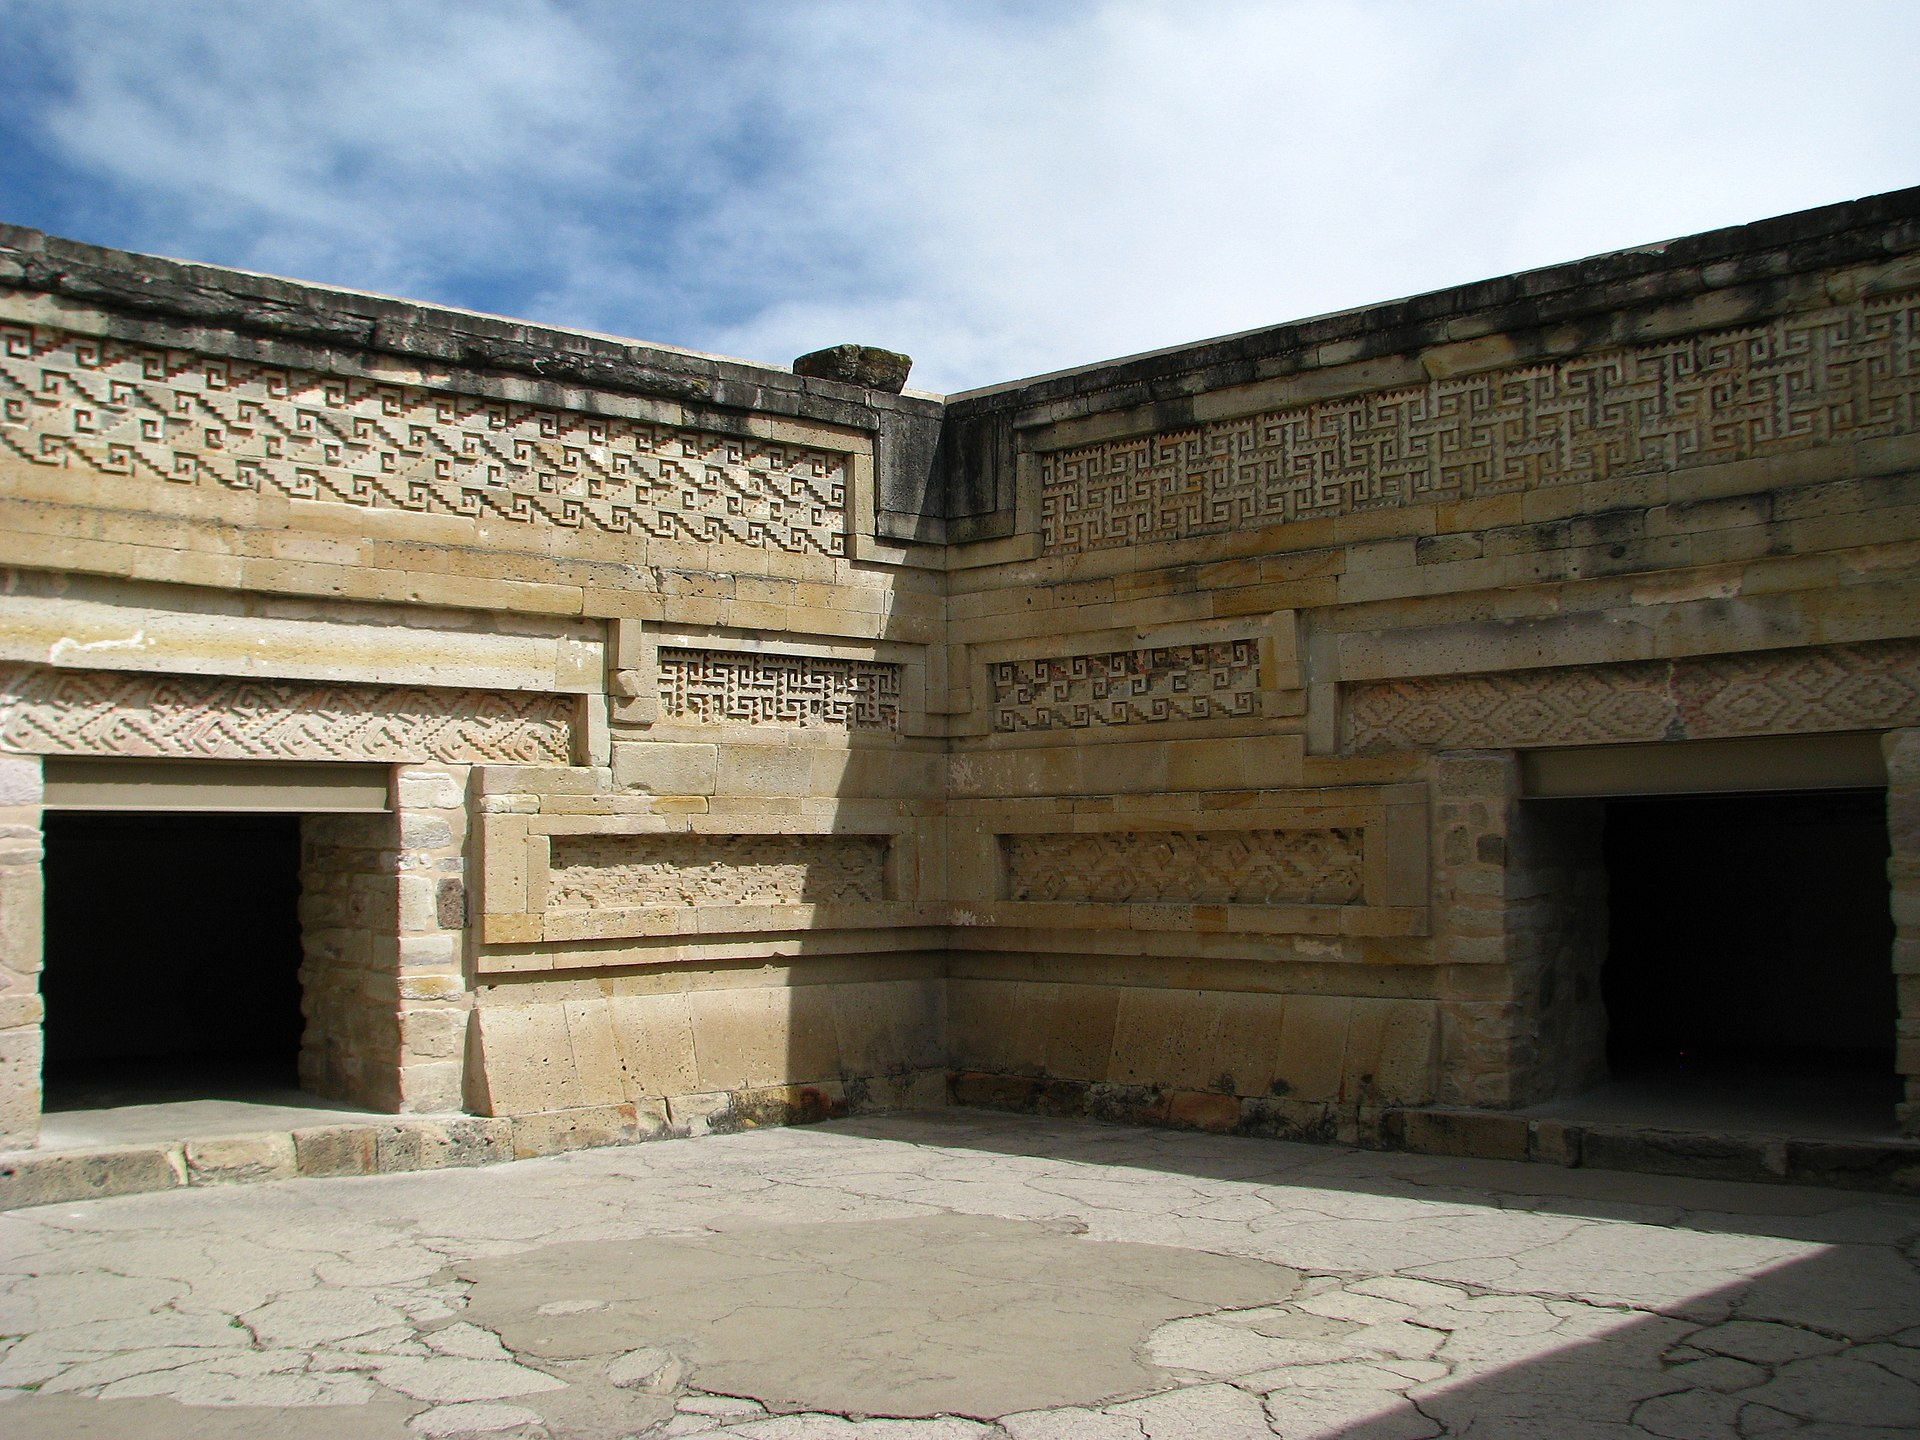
column 998, row 188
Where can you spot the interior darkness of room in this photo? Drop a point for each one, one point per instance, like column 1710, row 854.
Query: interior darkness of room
column 1750, row 933
column 172, row 956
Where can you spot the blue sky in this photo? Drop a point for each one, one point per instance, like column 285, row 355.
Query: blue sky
column 998, row 187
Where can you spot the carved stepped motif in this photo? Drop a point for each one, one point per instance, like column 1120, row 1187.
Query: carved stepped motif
column 1848, row 372
column 1222, row 867
column 592, row 871
column 110, row 408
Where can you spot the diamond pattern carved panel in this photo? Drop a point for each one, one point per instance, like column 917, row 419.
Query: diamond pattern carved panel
column 1843, row 373
column 622, row 871
column 1838, row 687
column 1128, row 687
column 1220, row 867
column 208, row 717
column 106, row 407
column 762, row 689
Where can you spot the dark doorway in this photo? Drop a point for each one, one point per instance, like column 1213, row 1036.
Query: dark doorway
column 1749, row 945
column 172, row 957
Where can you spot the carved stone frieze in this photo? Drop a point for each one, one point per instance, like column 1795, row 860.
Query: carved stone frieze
column 210, row 717
column 1836, row 687
column 1843, row 373
column 1219, row 867
column 618, row 871
column 755, row 688
column 175, row 417
column 1205, row 681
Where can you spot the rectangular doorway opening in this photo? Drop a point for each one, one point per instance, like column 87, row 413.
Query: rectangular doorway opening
column 1747, row 982
column 172, row 957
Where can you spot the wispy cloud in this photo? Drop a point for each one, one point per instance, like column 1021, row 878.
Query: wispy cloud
column 998, row 188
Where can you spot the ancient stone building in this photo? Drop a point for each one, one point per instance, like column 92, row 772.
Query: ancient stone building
column 1287, row 732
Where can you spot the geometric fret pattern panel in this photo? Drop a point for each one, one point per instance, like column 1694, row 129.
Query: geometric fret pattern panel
column 761, row 689
column 620, row 871
column 1834, row 687
column 1848, row 372
column 1222, row 867
column 210, row 717
column 1212, row 681
column 106, row 407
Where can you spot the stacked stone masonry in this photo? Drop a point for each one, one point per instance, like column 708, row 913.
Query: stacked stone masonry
column 1192, row 788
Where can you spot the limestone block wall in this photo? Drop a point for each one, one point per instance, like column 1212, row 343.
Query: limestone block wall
column 1149, row 740
column 1656, row 498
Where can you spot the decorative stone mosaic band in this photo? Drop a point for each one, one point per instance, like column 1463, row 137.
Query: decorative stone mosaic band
column 622, row 871
column 1220, row 867
column 201, row 717
column 1837, row 687
column 106, row 407
column 762, row 689
column 1844, row 373
column 1128, row 687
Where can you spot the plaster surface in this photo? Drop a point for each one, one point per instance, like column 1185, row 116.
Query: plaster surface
column 973, row 1275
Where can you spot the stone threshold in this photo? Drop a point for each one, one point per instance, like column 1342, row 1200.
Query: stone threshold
column 396, row 1144
column 1889, row 1163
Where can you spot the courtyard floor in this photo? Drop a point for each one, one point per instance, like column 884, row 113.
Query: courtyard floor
column 963, row 1275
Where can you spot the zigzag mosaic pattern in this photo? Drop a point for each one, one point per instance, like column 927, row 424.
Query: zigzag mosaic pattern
column 199, row 717
column 760, row 689
column 1128, row 687
column 1844, row 373
column 1221, row 867
column 1838, row 687
column 106, row 407
column 591, row 871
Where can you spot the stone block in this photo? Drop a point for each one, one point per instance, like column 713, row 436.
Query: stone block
column 442, row 1144
column 60, row 1176
column 661, row 768
column 1313, row 1043
column 1479, row 1134
column 241, row 1159
column 325, row 1150
column 20, row 1058
column 584, row 1127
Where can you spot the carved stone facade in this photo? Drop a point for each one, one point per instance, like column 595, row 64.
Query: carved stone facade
column 1835, row 687
column 198, row 717
column 91, row 406
column 1846, row 372
column 1213, row 681
column 759, row 688
column 1144, row 739
column 1225, row 867
column 594, row 871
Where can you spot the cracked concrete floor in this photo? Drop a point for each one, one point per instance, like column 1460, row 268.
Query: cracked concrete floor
column 966, row 1276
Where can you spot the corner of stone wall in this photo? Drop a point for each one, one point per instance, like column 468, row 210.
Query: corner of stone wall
column 383, row 916
column 20, row 950
column 1902, row 750
column 1520, row 923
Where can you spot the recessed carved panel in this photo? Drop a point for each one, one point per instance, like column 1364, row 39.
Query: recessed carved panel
column 1207, row 681
column 1838, row 687
column 618, row 871
column 202, row 717
column 1843, row 373
column 1219, row 867
column 752, row 688
column 175, row 417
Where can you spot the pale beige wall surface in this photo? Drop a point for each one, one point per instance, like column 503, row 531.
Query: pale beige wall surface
column 1192, row 797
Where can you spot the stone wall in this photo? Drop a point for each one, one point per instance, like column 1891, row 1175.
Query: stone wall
column 1146, row 740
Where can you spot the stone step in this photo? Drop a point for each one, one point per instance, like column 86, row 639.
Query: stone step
column 1888, row 1164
